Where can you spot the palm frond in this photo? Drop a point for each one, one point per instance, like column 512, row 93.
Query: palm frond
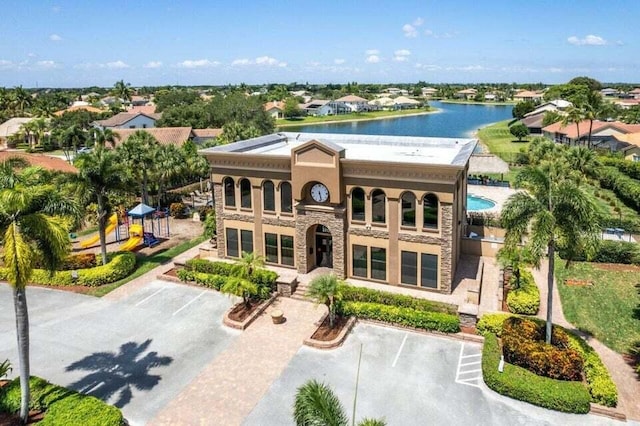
column 18, row 256
column 49, row 235
column 317, row 405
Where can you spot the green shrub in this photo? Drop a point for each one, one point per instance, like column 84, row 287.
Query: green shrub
column 120, row 265
column 521, row 384
column 625, row 187
column 362, row 294
column 634, row 352
column 525, row 299
column 610, row 251
column 523, row 345
column 438, row 321
column 260, row 277
column 178, row 210
column 75, row 261
column 491, row 323
column 601, row 387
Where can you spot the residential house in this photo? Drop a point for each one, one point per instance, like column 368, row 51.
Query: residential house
column 635, row 93
column 429, row 92
column 534, row 123
column 275, row 109
column 402, row 102
column 394, row 91
column 527, row 95
column 490, row 97
column 139, row 100
column 318, row 107
column 164, row 135
column 380, row 103
column 629, row 145
column 354, row 103
column 126, row 120
column 601, row 132
column 609, row 92
column 205, row 135
column 144, row 109
column 76, row 107
column 47, row 162
column 627, row 103
column 466, row 94
column 301, row 94
column 12, row 127
column 556, row 105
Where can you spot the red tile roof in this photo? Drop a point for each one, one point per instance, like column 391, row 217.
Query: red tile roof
column 143, row 109
column 164, row 135
column 274, row 104
column 45, row 161
column 79, row 108
column 124, row 117
column 351, row 98
column 207, row 133
column 570, row 131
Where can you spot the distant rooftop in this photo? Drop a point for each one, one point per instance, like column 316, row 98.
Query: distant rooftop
column 396, row 149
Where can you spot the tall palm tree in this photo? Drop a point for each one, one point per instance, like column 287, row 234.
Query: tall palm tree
column 21, row 100
column 102, row 137
column 325, row 290
column 139, row 154
column 170, row 163
column 573, row 116
column 99, row 174
column 553, row 212
column 33, row 226
column 72, row 138
column 582, row 160
column 122, row 90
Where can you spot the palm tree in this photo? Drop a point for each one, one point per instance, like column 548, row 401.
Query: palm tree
column 101, row 137
column 248, row 264
column 573, row 116
column 241, row 287
column 34, row 227
column 583, row 160
column 317, row 405
column 325, row 289
column 122, row 90
column 554, row 212
column 516, row 258
column 170, row 163
column 99, row 174
column 139, row 153
column 21, row 100
column 72, row 138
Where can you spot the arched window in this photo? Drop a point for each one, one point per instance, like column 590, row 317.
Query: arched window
column 229, row 192
column 357, row 204
column 378, row 206
column 286, row 199
column 430, row 206
column 268, row 196
column 408, row 209
column 245, row 194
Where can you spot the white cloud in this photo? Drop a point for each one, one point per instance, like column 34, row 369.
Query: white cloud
column 198, row 63
column 372, row 52
column 269, row 61
column 55, row 37
column 116, row 65
column 401, row 55
column 428, row 67
column 47, row 64
column 589, row 40
column 339, row 61
column 243, row 61
column 419, row 21
column 373, row 59
column 6, row 65
column 409, row 31
column 153, row 64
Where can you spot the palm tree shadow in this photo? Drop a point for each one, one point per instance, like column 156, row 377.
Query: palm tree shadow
column 116, row 374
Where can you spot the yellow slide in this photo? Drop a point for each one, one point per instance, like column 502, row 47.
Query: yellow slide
column 111, row 225
column 135, row 238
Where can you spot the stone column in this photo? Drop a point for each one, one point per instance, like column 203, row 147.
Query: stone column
column 256, row 203
column 393, row 268
column 332, row 218
column 217, row 195
column 446, row 253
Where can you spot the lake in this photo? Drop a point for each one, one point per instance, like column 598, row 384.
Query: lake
column 453, row 121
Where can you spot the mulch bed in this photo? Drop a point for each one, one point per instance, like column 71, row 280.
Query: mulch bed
column 326, row 334
column 14, row 419
column 241, row 312
column 619, row 267
column 173, row 272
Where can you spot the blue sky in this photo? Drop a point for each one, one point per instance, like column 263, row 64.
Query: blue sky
column 83, row 43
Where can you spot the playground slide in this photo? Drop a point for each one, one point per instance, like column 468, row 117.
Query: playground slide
column 111, row 225
column 131, row 243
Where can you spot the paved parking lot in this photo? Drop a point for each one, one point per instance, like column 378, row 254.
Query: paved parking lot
column 137, row 353
column 407, row 378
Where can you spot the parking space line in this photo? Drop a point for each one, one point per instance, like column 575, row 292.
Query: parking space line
column 471, row 356
column 470, row 377
column 190, row 302
column 469, row 371
column 470, row 363
column 149, row 297
column 395, row 361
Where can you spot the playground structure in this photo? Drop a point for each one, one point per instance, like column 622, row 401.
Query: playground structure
column 111, row 226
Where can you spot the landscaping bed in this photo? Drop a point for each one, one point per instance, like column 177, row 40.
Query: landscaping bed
column 240, row 312
column 325, row 333
column 525, row 297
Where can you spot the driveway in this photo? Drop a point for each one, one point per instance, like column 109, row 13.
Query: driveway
column 137, row 353
column 407, row 378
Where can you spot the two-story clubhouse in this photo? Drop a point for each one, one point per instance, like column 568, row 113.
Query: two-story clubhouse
column 387, row 209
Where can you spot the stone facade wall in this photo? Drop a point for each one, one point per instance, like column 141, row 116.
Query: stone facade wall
column 335, row 220
column 218, row 202
column 446, row 272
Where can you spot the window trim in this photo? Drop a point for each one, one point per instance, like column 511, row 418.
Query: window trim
column 375, row 222
column 273, row 197
column 240, row 184
column 226, row 197
column 364, row 205
column 437, row 210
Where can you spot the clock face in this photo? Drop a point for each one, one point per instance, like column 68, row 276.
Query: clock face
column 319, row 193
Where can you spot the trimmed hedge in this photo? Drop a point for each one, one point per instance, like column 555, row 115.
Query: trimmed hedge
column 202, row 278
column 438, row 321
column 601, row 387
column 526, row 298
column 610, row 251
column 361, row 294
column 626, row 188
column 521, row 384
column 120, row 265
column 62, row 406
column 261, row 277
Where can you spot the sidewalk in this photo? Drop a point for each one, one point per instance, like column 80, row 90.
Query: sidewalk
column 228, row 389
column 621, row 372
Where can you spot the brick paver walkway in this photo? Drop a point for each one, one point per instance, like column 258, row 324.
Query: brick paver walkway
column 226, row 390
column 621, row 372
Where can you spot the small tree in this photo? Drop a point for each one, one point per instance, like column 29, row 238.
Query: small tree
column 248, row 264
column 522, row 108
column 519, row 130
column 291, row 108
column 325, row 290
column 241, row 287
column 515, row 257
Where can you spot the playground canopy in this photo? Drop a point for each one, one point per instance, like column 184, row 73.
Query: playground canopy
column 140, row 211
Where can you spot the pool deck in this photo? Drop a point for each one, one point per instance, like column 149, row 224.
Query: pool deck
column 495, row 193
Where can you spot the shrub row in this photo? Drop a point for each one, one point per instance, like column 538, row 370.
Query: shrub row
column 261, row 277
column 120, row 265
column 629, row 168
column 524, row 299
column 438, row 321
column 216, row 281
column 609, row 251
column 626, row 188
column 601, row 387
column 361, row 294
column 523, row 345
column 521, row 384
column 62, row 406
column 76, row 261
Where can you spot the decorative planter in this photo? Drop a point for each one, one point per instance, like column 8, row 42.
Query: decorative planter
column 277, row 316
column 248, row 320
column 330, row 344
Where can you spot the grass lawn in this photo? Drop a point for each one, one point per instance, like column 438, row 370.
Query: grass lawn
column 500, row 141
column 147, row 263
column 603, row 203
column 372, row 115
column 607, row 308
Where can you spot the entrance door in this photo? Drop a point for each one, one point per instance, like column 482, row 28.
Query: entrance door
column 324, row 247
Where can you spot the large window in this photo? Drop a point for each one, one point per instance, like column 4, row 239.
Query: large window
column 232, row 242
column 286, row 200
column 229, row 192
column 269, row 196
column 271, row 247
column 246, row 241
column 357, row 204
column 409, row 268
column 429, row 270
column 245, row 194
column 286, row 250
column 359, row 261
column 378, row 206
column 430, row 202
column 408, row 209
column 378, row 263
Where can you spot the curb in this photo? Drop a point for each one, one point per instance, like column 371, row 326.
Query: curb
column 331, row 344
column 247, row 321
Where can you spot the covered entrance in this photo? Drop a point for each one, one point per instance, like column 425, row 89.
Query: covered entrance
column 322, row 246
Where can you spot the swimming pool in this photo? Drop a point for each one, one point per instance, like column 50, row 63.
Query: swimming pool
column 475, row 203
